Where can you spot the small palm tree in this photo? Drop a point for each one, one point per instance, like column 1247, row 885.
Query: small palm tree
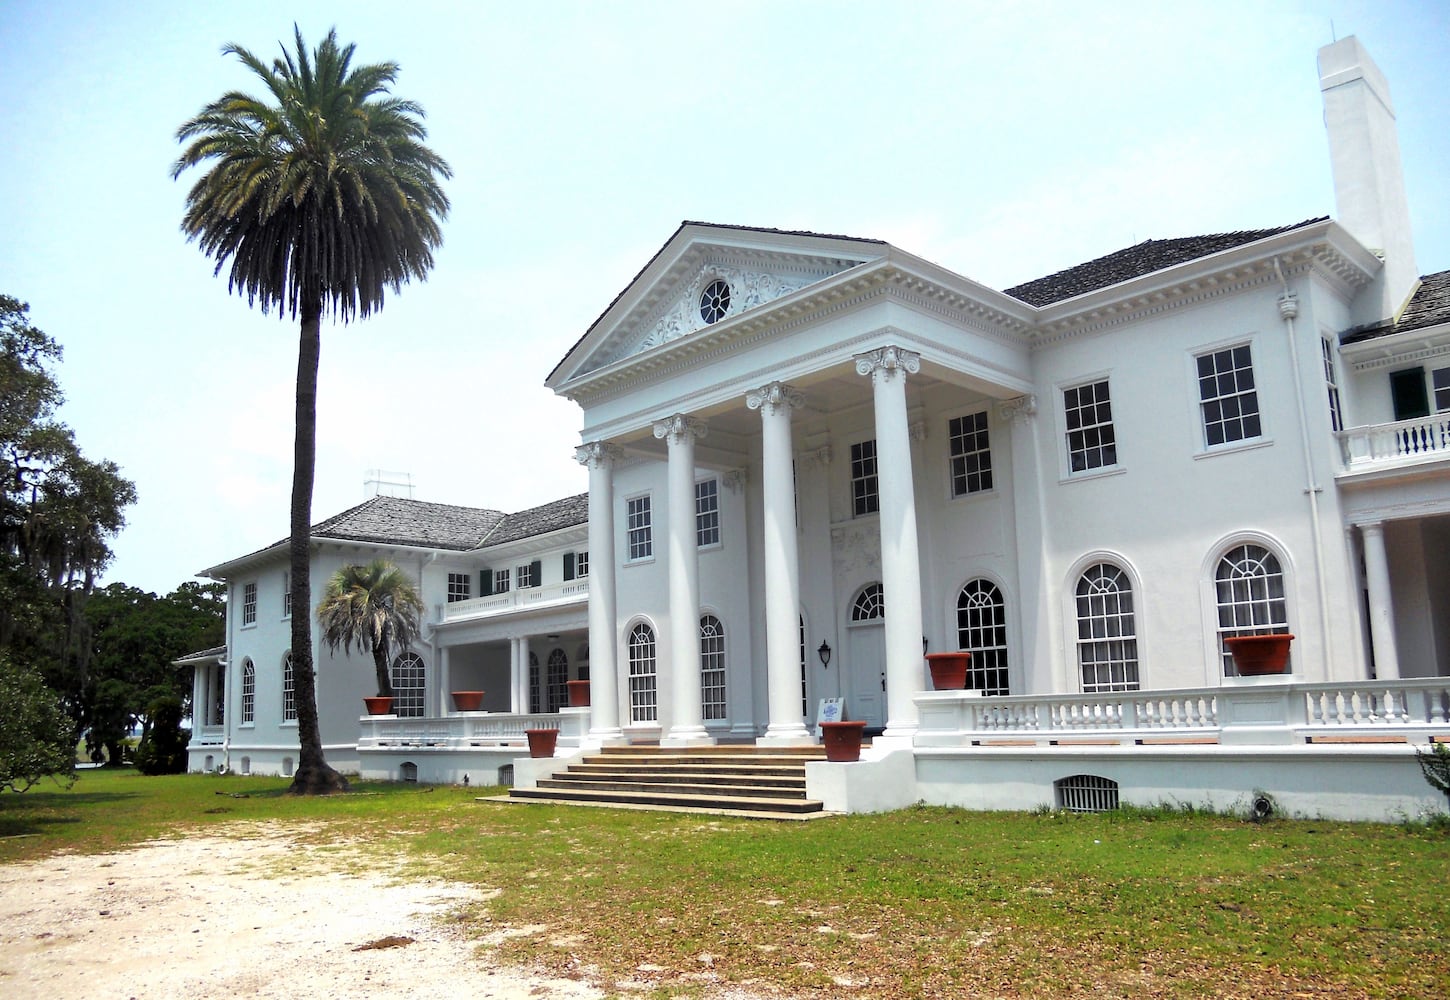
column 375, row 607
column 320, row 196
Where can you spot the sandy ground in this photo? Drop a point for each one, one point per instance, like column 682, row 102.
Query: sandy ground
column 213, row 917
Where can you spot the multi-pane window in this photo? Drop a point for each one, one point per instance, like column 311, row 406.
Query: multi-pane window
column 712, row 668
column 1249, row 587
column 643, row 700
column 1107, row 645
column 982, row 630
column 707, row 512
column 869, row 604
column 558, row 675
column 970, row 454
column 460, row 587
column 249, row 604
column 1227, row 397
column 581, row 564
column 1440, row 385
column 249, row 692
column 805, row 701
column 1091, row 440
column 865, row 493
column 219, row 697
column 500, row 581
column 408, row 685
column 536, row 684
column 287, row 593
column 525, row 576
column 639, row 527
column 289, row 690
column 1331, row 384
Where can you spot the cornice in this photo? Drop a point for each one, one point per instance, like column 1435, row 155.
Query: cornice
column 1398, row 349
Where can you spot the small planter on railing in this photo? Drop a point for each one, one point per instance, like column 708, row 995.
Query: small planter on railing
column 542, row 741
column 379, row 705
column 578, row 694
column 468, row 701
column 948, row 670
column 842, row 740
column 1260, row 655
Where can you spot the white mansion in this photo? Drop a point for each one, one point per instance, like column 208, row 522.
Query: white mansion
column 812, row 458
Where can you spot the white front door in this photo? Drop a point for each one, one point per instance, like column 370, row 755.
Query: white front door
column 866, row 697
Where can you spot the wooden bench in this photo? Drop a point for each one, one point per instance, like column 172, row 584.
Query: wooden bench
column 1366, row 738
column 1100, row 742
column 1004, row 743
column 1174, row 741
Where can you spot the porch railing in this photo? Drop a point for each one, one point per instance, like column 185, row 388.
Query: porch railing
column 567, row 592
column 205, row 736
column 1400, row 442
column 1271, row 712
column 470, row 731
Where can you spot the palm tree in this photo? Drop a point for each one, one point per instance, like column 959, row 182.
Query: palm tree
column 373, row 607
column 319, row 200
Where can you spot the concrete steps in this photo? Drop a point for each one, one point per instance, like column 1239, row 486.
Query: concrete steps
column 730, row 780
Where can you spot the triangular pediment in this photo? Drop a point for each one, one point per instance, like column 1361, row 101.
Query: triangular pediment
column 704, row 276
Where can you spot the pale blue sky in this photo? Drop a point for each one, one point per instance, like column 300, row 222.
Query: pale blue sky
column 1004, row 141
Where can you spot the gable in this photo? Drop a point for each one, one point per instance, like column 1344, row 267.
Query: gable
column 707, row 275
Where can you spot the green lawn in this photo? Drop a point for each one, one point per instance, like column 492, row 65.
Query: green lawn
column 925, row 902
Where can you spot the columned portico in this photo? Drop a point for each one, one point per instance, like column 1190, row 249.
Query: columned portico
column 782, row 564
column 900, row 554
column 1381, row 608
column 600, row 457
column 687, row 725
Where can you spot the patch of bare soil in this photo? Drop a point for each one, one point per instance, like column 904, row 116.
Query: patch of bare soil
column 214, row 917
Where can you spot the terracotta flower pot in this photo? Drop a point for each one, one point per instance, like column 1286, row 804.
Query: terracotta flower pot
column 467, row 701
column 578, row 694
column 542, row 741
column 948, row 670
column 1259, row 655
column 842, row 740
column 379, row 705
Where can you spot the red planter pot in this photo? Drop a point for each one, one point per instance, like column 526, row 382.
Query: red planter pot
column 948, row 670
column 542, row 741
column 468, row 701
column 378, row 705
column 1260, row 655
column 842, row 740
column 578, row 694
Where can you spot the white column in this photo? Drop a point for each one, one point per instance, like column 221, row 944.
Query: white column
column 445, row 681
column 900, row 555
column 782, row 565
column 518, row 678
column 686, row 724
column 1381, row 607
column 1040, row 674
column 600, row 457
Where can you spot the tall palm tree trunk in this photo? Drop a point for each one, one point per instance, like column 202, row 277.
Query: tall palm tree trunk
column 314, row 775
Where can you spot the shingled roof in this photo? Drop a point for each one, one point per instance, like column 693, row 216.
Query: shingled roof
column 396, row 521
column 1136, row 261
column 1429, row 306
column 540, row 520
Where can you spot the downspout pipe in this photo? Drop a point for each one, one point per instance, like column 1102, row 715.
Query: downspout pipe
column 1288, row 312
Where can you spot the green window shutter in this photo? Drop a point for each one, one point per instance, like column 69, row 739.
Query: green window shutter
column 485, row 582
column 536, row 572
column 568, row 565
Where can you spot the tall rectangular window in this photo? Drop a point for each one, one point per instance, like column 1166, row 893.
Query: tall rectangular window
column 500, row 581
column 865, row 495
column 1227, row 396
column 525, row 577
column 970, row 454
column 460, row 587
column 249, row 604
column 640, row 528
column 707, row 512
column 1440, row 385
column 287, row 593
column 1331, row 384
column 581, row 564
column 1091, row 440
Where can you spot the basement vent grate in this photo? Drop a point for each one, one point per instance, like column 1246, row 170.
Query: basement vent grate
column 1086, row 793
column 409, row 771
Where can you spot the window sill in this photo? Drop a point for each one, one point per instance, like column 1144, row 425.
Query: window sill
column 246, row 625
column 1104, row 473
column 977, row 495
column 1233, row 448
column 646, row 561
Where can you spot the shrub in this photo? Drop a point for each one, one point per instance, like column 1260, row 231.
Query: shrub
column 163, row 747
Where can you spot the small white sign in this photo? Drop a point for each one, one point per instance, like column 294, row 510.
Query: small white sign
column 830, row 710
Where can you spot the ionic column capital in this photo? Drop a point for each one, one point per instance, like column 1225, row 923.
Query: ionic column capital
column 774, row 397
column 679, row 426
column 887, row 362
column 1019, row 410
column 597, row 454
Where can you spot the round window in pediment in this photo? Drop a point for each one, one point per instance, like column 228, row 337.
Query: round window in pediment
column 715, row 301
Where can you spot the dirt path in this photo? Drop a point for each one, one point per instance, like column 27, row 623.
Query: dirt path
column 213, row 917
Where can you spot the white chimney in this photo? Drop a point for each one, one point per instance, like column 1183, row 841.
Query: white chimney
column 1369, row 185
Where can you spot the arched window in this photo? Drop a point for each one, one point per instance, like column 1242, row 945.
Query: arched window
column 289, row 690
column 219, row 697
column 249, row 691
column 643, row 700
column 558, row 690
column 1249, row 586
column 870, row 604
column 536, row 685
column 408, row 685
column 805, row 701
column 1107, row 643
column 712, row 668
column 982, row 629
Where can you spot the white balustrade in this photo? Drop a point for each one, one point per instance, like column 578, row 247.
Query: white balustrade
column 469, row 730
column 1400, row 442
column 567, row 592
